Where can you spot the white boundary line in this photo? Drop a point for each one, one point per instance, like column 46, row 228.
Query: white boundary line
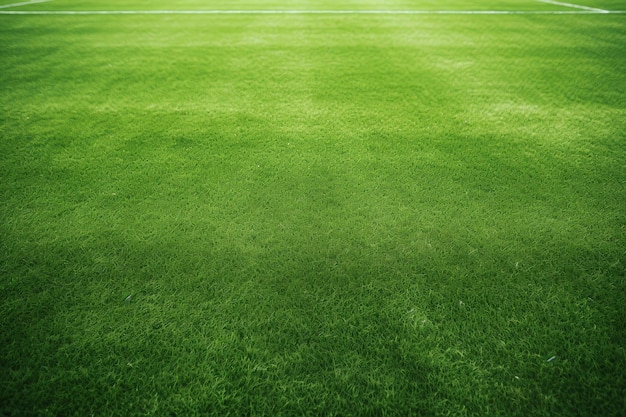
column 575, row 6
column 24, row 3
column 310, row 12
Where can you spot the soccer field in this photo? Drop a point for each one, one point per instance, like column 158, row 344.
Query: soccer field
column 313, row 207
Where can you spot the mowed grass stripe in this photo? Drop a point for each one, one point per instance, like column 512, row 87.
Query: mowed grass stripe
column 572, row 5
column 312, row 216
column 25, row 3
column 315, row 7
column 309, row 12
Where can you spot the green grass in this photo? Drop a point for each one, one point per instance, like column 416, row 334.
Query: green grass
column 294, row 4
column 313, row 215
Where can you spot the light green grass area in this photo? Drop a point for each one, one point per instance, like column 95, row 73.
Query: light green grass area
column 310, row 5
column 349, row 215
column 604, row 4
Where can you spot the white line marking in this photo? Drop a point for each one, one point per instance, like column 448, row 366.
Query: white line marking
column 24, row 3
column 575, row 6
column 312, row 12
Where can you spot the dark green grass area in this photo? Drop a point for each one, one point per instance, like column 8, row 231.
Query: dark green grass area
column 312, row 215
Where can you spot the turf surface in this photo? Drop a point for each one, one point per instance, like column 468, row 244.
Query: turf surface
column 313, row 214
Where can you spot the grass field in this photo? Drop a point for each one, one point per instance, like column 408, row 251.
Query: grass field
column 313, row 214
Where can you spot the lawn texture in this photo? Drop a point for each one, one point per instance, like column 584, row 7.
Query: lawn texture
column 344, row 215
